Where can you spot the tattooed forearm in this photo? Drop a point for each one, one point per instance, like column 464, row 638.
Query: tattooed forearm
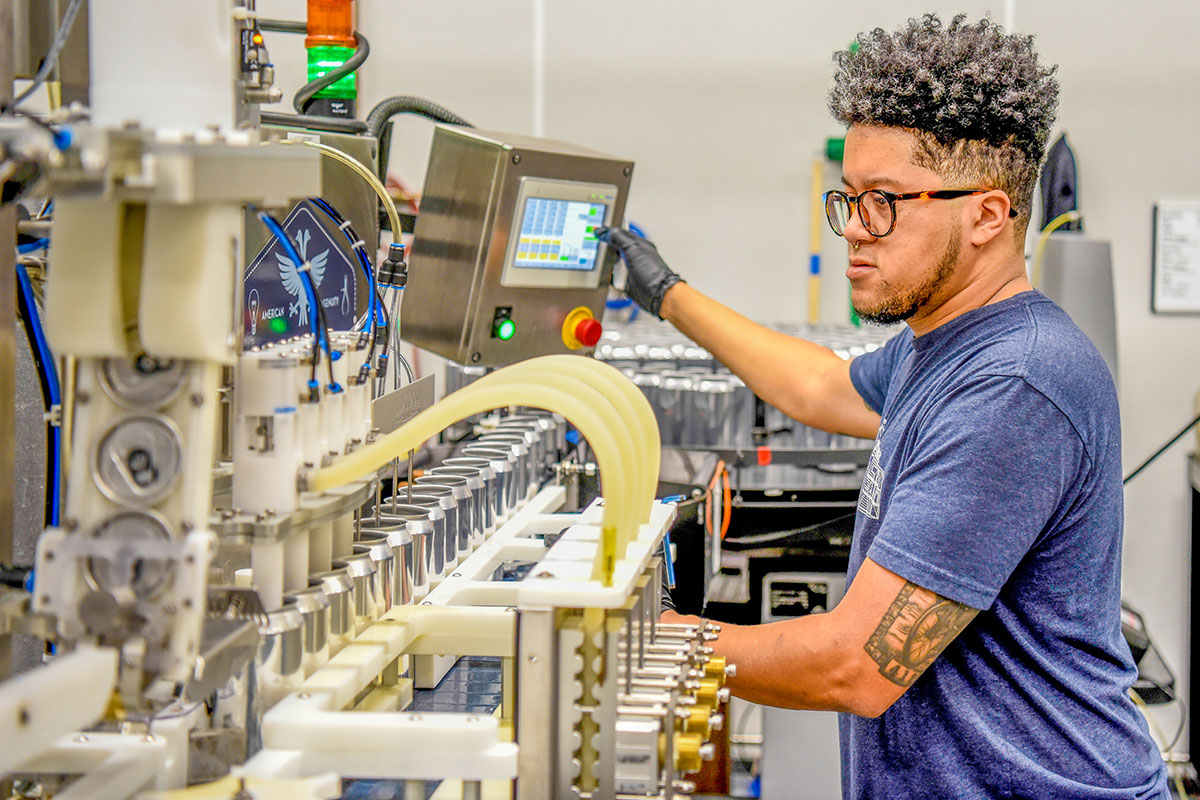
column 915, row 629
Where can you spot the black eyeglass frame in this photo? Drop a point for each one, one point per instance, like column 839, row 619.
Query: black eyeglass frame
column 855, row 202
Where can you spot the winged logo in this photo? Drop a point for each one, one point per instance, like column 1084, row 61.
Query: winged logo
column 289, row 274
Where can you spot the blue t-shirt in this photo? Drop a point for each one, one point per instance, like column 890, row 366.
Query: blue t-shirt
column 996, row 482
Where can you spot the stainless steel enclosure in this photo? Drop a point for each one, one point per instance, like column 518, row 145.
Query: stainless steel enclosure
column 469, row 210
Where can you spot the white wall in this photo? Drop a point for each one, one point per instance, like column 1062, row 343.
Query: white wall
column 721, row 108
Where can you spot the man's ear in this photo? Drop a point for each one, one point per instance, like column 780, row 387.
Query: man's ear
column 992, row 212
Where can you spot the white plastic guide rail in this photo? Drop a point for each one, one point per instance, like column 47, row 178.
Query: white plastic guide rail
column 314, row 729
column 562, row 577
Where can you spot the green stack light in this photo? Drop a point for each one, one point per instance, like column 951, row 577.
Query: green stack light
column 325, row 58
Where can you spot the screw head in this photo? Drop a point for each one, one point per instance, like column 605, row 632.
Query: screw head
column 475, row 357
column 516, row 158
column 628, row 171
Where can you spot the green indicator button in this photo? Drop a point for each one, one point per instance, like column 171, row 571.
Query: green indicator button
column 277, row 325
column 562, row 258
column 592, row 211
column 505, row 330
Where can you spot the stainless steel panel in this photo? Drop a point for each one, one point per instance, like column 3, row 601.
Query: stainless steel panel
column 461, row 240
column 397, row 407
column 537, row 706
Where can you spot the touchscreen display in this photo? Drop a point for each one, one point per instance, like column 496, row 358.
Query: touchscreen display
column 559, row 234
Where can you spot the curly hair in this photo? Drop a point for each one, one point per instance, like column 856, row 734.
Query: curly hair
column 976, row 98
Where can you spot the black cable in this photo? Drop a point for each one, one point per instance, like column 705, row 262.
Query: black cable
column 379, row 122
column 305, row 93
column 387, row 322
column 1183, row 431
column 1183, row 715
column 325, row 327
column 407, row 104
column 774, row 536
column 47, row 398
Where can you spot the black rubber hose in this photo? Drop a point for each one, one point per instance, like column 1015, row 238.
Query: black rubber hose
column 14, row 577
column 379, row 122
column 405, row 104
column 283, row 26
column 312, row 121
column 306, row 92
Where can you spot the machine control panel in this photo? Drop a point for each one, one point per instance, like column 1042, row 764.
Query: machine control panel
column 505, row 254
column 553, row 242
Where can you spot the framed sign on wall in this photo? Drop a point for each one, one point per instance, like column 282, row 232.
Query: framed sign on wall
column 1176, row 258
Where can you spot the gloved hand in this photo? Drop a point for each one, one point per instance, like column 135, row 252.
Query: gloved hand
column 649, row 276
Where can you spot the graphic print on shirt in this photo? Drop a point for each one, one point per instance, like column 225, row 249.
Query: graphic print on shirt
column 872, row 485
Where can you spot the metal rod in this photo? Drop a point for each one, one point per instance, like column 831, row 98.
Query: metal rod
column 410, row 476
column 396, row 485
column 414, row 790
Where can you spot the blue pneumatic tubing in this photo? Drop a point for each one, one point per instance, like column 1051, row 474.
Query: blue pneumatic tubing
column 373, row 312
column 285, row 241
column 51, row 373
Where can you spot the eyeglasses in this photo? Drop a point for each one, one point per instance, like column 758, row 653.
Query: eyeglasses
column 877, row 208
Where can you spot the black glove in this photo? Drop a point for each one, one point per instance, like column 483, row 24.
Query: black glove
column 649, row 276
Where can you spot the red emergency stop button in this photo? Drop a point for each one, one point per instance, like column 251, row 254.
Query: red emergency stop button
column 588, row 332
column 581, row 329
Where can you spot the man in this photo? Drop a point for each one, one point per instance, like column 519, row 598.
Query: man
column 977, row 652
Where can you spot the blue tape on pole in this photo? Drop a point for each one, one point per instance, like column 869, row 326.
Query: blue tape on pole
column 814, row 264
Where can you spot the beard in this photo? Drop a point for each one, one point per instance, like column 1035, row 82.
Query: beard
column 899, row 305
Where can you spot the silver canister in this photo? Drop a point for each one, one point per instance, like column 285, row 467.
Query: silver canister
column 403, row 565
column 481, row 481
column 525, row 465
column 362, row 572
column 509, row 478
column 411, row 533
column 495, row 476
column 376, row 545
column 472, row 487
column 428, row 539
column 529, row 433
column 282, row 640
column 676, row 399
column 742, row 413
column 542, row 428
column 447, row 533
column 400, row 540
column 313, row 605
column 338, row 587
column 714, row 409
column 555, row 426
column 465, row 500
